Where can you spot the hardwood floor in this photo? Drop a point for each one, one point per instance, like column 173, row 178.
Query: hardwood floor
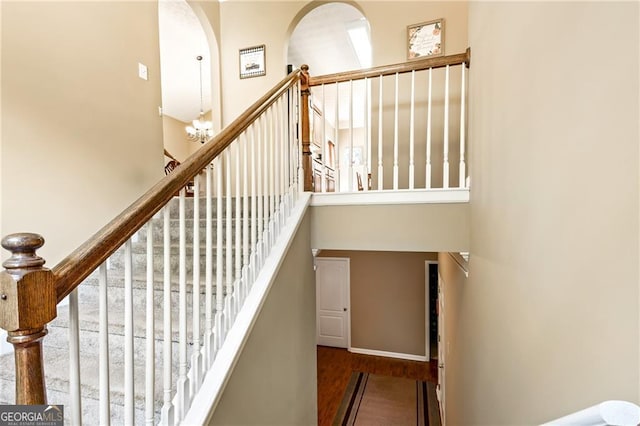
column 336, row 365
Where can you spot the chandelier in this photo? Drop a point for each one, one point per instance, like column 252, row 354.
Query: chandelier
column 200, row 129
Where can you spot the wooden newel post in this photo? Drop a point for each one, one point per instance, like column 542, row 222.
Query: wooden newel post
column 304, row 124
column 27, row 304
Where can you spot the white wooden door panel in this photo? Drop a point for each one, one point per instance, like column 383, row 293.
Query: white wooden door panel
column 332, row 301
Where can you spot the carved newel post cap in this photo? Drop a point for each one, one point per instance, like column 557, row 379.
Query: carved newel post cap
column 304, row 67
column 23, row 248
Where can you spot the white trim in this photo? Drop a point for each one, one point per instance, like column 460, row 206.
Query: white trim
column 410, row 357
column 204, row 404
column 607, row 412
column 461, row 262
column 455, row 195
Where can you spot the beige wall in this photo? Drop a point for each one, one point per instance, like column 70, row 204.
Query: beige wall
column 455, row 284
column 249, row 23
column 387, row 300
column 549, row 315
column 81, row 135
column 275, row 379
column 415, row 227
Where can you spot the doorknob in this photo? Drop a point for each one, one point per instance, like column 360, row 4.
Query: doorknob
column 441, row 365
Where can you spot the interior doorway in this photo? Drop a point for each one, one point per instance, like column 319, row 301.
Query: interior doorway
column 431, row 291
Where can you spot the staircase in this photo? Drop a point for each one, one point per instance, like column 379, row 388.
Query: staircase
column 56, row 343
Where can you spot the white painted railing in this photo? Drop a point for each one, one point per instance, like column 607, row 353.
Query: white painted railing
column 618, row 413
column 241, row 202
column 393, row 128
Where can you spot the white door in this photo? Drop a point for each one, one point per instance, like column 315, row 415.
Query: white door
column 441, row 348
column 332, row 301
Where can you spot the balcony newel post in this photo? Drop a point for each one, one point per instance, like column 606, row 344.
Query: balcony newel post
column 27, row 304
column 304, row 124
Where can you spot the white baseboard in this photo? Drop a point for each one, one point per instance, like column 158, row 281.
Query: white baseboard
column 409, row 357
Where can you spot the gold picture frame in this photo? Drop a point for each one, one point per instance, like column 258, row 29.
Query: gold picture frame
column 425, row 39
column 253, row 62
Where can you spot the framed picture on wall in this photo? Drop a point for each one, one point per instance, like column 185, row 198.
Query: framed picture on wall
column 425, row 39
column 252, row 62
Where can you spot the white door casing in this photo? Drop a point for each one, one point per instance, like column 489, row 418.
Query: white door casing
column 441, row 348
column 332, row 302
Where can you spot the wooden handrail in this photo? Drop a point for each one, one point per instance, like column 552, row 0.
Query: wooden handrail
column 421, row 64
column 73, row 269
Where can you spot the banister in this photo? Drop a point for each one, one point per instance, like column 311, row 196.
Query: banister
column 73, row 269
column 421, row 64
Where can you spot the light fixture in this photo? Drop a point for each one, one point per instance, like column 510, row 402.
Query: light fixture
column 200, row 130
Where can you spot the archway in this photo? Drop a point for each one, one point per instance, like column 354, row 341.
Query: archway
column 184, row 35
column 330, row 38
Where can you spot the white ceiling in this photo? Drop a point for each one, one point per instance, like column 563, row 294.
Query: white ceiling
column 320, row 40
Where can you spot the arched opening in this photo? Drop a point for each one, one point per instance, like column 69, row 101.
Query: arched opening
column 330, row 38
column 187, row 83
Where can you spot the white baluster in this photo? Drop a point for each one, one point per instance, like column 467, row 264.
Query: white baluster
column 463, row 94
column 267, row 195
column 209, row 344
column 395, row 139
column 105, row 388
column 336, row 138
column 237, row 222
column 272, row 176
column 196, row 355
column 380, row 168
column 129, row 401
column 228, row 217
column 74, row 359
column 294, row 102
column 245, row 211
column 445, row 165
column 260, row 193
column 183, row 380
column 292, row 142
column 350, row 135
column 411, row 130
column 298, row 144
column 281, row 159
column 428, row 166
column 367, row 129
column 254, row 203
column 323, row 143
column 150, row 337
column 284, row 155
column 284, row 148
column 276, row 168
column 167, row 406
column 220, row 316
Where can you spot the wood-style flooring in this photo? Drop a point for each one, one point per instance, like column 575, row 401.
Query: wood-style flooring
column 336, row 365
